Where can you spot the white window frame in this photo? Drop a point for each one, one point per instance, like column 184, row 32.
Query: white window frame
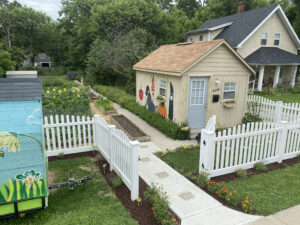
column 191, row 95
column 264, row 38
column 163, row 86
column 277, row 39
column 231, row 88
column 201, row 37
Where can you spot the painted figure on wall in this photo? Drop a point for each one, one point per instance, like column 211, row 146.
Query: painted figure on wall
column 150, row 104
column 162, row 110
column 171, row 103
column 141, row 94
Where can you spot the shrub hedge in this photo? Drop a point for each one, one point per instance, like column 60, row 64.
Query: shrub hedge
column 128, row 102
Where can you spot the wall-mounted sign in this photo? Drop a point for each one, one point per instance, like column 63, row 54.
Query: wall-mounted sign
column 216, row 90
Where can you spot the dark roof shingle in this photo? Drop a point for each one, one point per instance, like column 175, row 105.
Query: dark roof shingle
column 272, row 56
column 242, row 24
column 27, row 89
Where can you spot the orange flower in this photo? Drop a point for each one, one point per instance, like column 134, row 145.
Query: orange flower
column 246, row 211
column 244, row 205
column 246, row 197
column 250, row 208
column 226, row 191
column 174, row 219
column 217, row 192
column 207, row 182
column 230, row 194
column 251, row 201
column 218, row 184
column 228, row 199
column 246, row 201
column 153, row 209
column 214, row 182
column 234, row 192
column 164, row 220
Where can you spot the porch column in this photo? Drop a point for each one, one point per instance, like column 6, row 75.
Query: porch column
column 293, row 80
column 261, row 78
column 276, row 77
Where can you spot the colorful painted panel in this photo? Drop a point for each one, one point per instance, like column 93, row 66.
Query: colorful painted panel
column 23, row 173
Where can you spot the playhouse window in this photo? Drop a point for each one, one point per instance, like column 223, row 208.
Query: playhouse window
column 276, row 39
column 201, row 37
column 197, row 92
column 229, row 90
column 162, row 88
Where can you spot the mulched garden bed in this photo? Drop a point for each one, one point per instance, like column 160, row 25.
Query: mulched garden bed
column 140, row 212
column 250, row 172
column 129, row 128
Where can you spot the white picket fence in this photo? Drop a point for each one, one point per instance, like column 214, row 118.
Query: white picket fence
column 272, row 111
column 241, row 147
column 68, row 135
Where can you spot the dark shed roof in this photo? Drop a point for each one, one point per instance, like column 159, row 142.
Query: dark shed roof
column 42, row 57
column 242, row 24
column 272, row 56
column 29, row 89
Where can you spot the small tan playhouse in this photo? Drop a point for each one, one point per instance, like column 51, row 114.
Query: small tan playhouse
column 190, row 82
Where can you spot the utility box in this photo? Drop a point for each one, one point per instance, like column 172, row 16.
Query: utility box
column 23, row 165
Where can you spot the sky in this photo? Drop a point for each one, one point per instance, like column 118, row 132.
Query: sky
column 50, row 7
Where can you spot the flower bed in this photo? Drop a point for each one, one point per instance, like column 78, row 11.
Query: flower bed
column 66, row 101
column 106, row 106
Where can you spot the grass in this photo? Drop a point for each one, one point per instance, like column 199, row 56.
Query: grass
column 270, row 192
column 105, row 104
column 57, row 81
column 284, row 94
column 90, row 203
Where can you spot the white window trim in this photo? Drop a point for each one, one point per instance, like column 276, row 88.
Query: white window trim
column 277, row 38
column 163, row 87
column 235, row 88
column 266, row 38
column 204, row 83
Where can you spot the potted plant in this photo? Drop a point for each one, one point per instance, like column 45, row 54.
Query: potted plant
column 185, row 132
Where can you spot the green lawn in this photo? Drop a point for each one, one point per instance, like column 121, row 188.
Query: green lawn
column 270, row 192
column 91, row 203
column 283, row 96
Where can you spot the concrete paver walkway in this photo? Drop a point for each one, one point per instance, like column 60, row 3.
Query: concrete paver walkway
column 191, row 204
column 289, row 216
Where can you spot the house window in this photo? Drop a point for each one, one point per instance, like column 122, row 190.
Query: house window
column 197, row 92
column 264, row 37
column 162, row 88
column 191, row 39
column 276, row 39
column 201, row 37
column 229, row 90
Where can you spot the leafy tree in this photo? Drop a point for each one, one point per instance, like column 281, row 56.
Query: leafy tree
column 188, row 6
column 5, row 62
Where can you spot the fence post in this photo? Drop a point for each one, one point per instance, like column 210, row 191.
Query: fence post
column 207, row 150
column 110, row 148
column 134, row 170
column 95, row 119
column 278, row 112
column 281, row 142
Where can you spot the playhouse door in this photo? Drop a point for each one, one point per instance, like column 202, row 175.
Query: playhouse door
column 197, row 102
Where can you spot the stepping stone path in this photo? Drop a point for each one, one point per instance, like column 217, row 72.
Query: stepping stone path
column 190, row 203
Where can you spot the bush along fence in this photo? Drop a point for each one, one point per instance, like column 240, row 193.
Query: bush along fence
column 67, row 135
column 242, row 146
column 272, row 111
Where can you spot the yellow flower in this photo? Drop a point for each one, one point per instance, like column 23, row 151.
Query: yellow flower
column 78, row 96
column 65, row 89
column 54, row 97
column 48, row 92
column 54, row 89
column 73, row 90
column 78, row 89
column 59, row 91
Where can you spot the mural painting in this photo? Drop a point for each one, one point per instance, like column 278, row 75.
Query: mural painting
column 27, row 185
column 162, row 110
column 141, row 94
column 171, row 103
column 150, row 103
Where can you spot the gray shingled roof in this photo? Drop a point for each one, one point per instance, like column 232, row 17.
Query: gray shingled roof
column 242, row 24
column 272, row 56
column 27, row 89
column 42, row 57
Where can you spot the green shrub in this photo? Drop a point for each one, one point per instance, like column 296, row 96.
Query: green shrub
column 201, row 179
column 105, row 104
column 298, row 156
column 259, row 166
column 249, row 118
column 116, row 182
column 128, row 102
column 241, row 173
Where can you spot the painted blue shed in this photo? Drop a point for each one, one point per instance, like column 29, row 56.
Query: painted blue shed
column 23, row 165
